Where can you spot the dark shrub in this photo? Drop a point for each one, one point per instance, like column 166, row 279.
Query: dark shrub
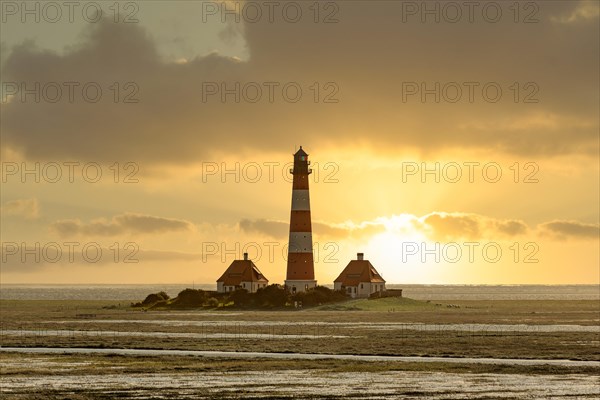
column 154, row 298
column 212, row 302
column 271, row 296
column 241, row 298
column 162, row 303
column 319, row 295
column 190, row 298
column 163, row 295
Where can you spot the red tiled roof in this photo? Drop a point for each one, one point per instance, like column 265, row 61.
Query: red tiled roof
column 358, row 271
column 242, row 271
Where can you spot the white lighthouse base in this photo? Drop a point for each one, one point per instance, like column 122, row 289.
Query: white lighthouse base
column 300, row 285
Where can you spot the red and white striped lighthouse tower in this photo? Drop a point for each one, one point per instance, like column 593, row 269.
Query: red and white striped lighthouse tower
column 300, row 265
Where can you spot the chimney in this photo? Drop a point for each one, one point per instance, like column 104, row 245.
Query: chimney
column 360, row 256
column 245, row 256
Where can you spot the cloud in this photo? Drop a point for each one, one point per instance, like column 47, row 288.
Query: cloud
column 280, row 229
column 120, row 224
column 274, row 229
column 585, row 10
column 366, row 58
column 438, row 226
column 351, row 230
column 453, row 225
column 570, row 230
column 511, row 227
column 448, row 226
column 26, row 208
column 19, row 258
column 548, row 127
column 159, row 255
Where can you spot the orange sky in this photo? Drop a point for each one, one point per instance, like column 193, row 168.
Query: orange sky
column 447, row 152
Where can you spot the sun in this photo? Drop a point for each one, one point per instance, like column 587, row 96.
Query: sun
column 386, row 250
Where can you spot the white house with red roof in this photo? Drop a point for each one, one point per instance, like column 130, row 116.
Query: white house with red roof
column 359, row 279
column 242, row 274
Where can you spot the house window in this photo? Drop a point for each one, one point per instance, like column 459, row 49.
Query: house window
column 244, row 285
column 361, row 286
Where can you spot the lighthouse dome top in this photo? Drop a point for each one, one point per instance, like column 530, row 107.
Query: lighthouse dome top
column 300, row 153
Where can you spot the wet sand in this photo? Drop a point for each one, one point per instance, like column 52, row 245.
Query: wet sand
column 298, row 356
column 355, row 324
column 302, row 384
column 387, row 349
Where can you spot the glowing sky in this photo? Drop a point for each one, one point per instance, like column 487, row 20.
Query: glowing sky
column 457, row 150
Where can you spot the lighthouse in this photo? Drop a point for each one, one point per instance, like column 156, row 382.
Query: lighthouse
column 300, row 264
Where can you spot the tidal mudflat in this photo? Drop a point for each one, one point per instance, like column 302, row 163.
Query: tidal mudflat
column 361, row 349
column 97, row 376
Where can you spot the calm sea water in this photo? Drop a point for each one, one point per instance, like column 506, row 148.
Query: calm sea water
column 421, row 292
